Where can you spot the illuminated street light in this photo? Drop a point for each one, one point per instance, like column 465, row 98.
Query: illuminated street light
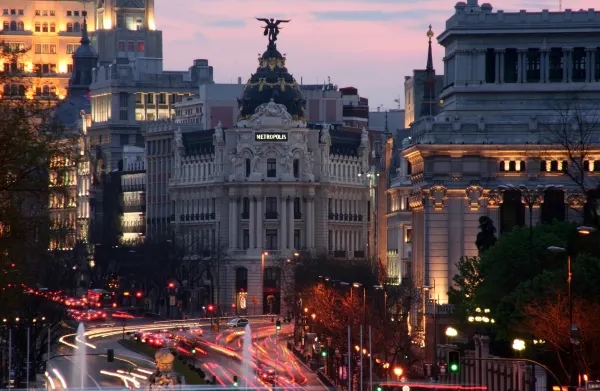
column 518, row 345
column 356, row 285
column 305, row 310
column 585, row 230
column 451, row 332
column 313, row 316
column 398, row 371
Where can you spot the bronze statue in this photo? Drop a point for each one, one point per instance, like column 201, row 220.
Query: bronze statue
column 272, row 28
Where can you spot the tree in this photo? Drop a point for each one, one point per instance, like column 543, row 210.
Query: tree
column 572, row 131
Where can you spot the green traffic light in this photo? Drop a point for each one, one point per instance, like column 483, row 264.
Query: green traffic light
column 453, row 367
column 323, row 354
column 379, row 388
column 193, row 351
column 278, row 327
column 235, row 384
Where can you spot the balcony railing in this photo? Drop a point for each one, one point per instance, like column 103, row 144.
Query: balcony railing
column 271, row 215
column 134, row 229
column 134, row 208
column 345, row 217
column 197, row 217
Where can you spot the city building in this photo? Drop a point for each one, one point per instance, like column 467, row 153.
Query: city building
column 493, row 150
column 265, row 191
column 355, row 109
column 384, row 120
column 324, row 104
column 133, row 195
column 69, row 175
column 51, row 30
column 126, row 29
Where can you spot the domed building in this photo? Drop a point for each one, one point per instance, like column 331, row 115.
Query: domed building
column 253, row 197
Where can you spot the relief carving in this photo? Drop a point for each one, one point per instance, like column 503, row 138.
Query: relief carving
column 438, row 193
column 474, row 195
column 575, row 199
column 494, row 199
column 415, row 200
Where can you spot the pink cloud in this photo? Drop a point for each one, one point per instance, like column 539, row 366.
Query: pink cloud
column 372, row 49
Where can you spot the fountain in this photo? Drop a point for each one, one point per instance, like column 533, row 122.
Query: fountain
column 78, row 376
column 165, row 378
column 248, row 360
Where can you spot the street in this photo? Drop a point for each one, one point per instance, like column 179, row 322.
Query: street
column 219, row 354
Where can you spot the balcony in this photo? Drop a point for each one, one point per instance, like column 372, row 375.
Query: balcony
column 345, row 217
column 134, row 208
column 271, row 215
column 134, row 229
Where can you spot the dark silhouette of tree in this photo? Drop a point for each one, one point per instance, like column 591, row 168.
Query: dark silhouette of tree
column 486, row 238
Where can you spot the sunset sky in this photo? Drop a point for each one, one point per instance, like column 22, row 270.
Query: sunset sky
column 368, row 44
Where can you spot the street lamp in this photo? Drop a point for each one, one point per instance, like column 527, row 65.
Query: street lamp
column 518, row 345
column 451, row 332
column 398, row 372
column 262, row 273
column 585, row 230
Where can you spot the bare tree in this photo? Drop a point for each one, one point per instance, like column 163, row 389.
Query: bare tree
column 572, row 132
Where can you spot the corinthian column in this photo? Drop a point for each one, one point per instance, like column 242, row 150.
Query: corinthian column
column 290, row 206
column 283, row 226
column 260, row 242
column 252, row 222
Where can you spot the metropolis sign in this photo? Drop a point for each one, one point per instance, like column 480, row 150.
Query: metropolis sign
column 271, row 136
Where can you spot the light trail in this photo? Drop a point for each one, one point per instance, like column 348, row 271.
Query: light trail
column 122, row 372
column 50, row 380
column 122, row 377
column 60, row 377
column 143, row 370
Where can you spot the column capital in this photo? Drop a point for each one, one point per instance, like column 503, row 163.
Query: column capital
column 499, row 50
column 567, row 49
column 544, row 50
column 575, row 199
column 521, row 50
column 494, row 199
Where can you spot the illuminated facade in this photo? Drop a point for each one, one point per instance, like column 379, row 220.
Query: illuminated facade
column 269, row 184
column 52, row 30
column 133, row 195
column 501, row 99
column 126, row 29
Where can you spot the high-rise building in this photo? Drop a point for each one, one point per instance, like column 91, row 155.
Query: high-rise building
column 51, row 30
column 126, row 29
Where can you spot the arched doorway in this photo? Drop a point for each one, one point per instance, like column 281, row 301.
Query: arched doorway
column 241, row 290
column 272, row 290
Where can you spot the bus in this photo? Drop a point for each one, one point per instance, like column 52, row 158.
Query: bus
column 99, row 298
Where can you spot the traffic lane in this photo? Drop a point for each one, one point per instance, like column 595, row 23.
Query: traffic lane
column 67, row 373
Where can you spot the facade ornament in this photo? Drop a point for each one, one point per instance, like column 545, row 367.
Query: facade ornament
column 575, row 199
column 271, row 109
column 364, row 137
column 287, row 161
column 178, row 150
column 494, row 199
column 533, row 123
column 438, row 193
column 218, row 136
column 481, row 124
column 309, row 164
column 178, row 139
column 325, row 136
column 474, row 195
column 255, row 162
column 415, row 200
column 456, row 124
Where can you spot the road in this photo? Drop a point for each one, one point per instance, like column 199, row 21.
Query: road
column 218, row 354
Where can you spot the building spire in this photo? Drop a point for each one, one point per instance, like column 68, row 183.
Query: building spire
column 85, row 39
column 429, row 67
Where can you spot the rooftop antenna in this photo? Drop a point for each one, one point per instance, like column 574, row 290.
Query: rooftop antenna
column 560, row 5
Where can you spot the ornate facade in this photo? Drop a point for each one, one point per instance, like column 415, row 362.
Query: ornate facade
column 268, row 189
column 495, row 149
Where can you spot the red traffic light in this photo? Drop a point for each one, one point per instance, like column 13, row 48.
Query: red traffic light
column 138, row 294
column 171, row 285
column 211, row 307
column 233, row 305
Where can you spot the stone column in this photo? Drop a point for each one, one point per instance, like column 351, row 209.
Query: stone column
column 589, row 70
column 233, row 240
column 311, row 219
column 260, row 216
column 566, row 64
column 497, row 67
column 544, row 65
column 290, row 206
column 593, row 66
column 231, row 223
column 501, row 65
column 519, row 65
column 283, row 228
column 494, row 200
column 252, row 226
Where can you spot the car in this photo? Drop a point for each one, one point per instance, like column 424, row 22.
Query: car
column 237, row 323
column 268, row 374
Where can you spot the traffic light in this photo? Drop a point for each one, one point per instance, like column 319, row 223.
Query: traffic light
column 235, row 382
column 138, row 294
column 454, row 361
column 323, row 353
column 211, row 307
column 171, row 285
column 379, row 388
column 278, row 325
column 194, row 351
column 110, row 355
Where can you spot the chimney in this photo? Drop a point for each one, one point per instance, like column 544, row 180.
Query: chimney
column 239, row 80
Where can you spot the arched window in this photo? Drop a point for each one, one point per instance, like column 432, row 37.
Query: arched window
column 14, row 89
column 6, row 25
column 21, row 90
column 52, row 90
column 241, row 279
column 6, row 89
column 38, row 27
column 46, row 91
column 44, row 27
column 77, row 27
column 20, row 26
column 52, row 28
column 13, row 25
column 69, row 27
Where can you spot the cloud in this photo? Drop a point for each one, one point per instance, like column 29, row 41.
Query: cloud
column 226, row 23
column 373, row 15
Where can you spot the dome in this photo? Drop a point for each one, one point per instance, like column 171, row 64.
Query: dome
column 272, row 81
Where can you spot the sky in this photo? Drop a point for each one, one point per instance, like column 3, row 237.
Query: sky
column 368, row 44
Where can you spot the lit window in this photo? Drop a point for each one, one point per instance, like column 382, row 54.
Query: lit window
column 141, row 47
